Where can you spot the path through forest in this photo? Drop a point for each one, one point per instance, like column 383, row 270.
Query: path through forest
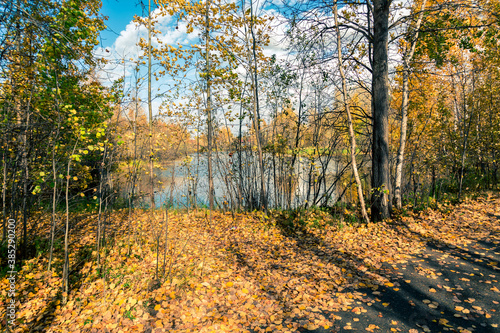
column 451, row 286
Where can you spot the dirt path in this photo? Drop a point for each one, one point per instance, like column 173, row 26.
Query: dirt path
column 452, row 286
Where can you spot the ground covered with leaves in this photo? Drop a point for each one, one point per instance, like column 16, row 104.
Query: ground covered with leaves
column 434, row 271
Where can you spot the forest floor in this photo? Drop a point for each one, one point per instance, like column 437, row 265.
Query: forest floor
column 433, row 271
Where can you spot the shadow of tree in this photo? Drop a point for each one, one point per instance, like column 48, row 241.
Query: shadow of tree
column 397, row 301
column 466, row 271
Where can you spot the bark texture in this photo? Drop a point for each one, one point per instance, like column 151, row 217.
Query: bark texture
column 380, row 111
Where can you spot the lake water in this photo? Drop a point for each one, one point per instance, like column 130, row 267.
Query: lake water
column 185, row 181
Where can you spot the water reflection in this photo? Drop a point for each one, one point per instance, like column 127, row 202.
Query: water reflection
column 184, row 183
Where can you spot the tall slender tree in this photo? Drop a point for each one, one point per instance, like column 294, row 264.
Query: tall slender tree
column 408, row 52
column 347, row 108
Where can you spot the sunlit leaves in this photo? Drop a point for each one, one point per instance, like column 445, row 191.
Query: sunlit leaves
column 281, row 271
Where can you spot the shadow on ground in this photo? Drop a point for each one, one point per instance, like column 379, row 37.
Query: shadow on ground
column 445, row 288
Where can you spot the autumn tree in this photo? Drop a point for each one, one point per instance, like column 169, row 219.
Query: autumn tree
column 409, row 46
column 447, row 59
column 50, row 104
column 370, row 27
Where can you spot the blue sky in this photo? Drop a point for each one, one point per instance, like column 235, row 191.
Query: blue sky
column 119, row 41
column 120, row 13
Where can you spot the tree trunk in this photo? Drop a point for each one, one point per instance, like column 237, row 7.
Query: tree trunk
column 263, row 199
column 150, row 111
column 404, row 106
column 66, row 241
column 133, row 172
column 165, row 249
column 209, row 115
column 54, row 200
column 66, row 233
column 402, row 138
column 100, row 214
column 380, row 111
column 349, row 120
column 54, row 193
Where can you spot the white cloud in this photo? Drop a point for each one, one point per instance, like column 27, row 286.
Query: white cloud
column 126, row 44
column 277, row 44
column 123, row 55
column 125, row 47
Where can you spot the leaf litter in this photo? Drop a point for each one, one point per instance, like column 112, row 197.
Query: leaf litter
column 244, row 272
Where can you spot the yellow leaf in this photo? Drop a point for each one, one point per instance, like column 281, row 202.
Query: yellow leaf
column 172, row 295
column 229, row 284
column 385, row 304
column 157, row 307
column 371, row 327
column 244, row 291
